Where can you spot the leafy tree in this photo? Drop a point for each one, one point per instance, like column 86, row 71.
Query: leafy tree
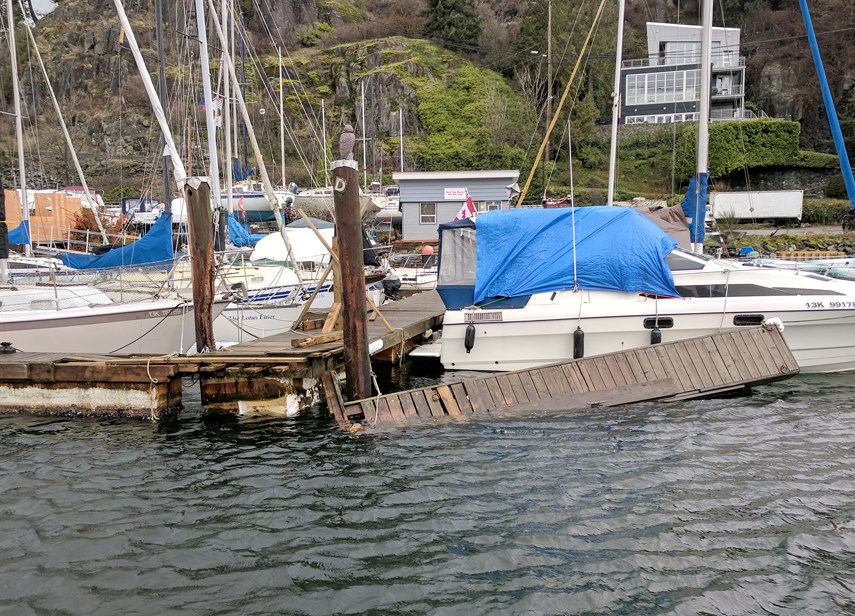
column 453, row 22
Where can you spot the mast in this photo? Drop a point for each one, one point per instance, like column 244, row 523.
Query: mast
column 92, row 203
column 548, row 86
column 364, row 140
column 699, row 213
column 19, row 125
column 265, row 178
column 615, row 106
column 401, row 135
column 243, row 88
column 213, row 161
column 161, row 92
column 830, row 111
column 324, row 129
column 178, row 171
column 227, row 119
column 281, row 123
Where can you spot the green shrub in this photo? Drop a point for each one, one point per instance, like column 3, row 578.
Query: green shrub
column 824, row 211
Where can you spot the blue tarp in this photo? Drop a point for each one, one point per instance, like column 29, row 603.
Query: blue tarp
column 154, row 247
column 239, row 236
column 20, row 234
column 528, row 251
column 695, row 207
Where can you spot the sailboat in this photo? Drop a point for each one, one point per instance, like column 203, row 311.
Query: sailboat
column 518, row 294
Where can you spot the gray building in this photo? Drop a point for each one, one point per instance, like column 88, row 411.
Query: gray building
column 430, row 198
column 665, row 86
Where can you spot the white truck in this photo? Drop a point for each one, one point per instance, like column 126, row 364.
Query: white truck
column 778, row 206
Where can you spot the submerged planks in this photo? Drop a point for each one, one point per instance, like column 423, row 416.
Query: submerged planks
column 671, row 371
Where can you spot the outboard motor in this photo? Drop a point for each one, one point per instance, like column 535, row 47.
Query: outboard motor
column 392, row 287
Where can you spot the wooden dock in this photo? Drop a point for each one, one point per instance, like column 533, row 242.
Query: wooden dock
column 275, row 368
column 678, row 370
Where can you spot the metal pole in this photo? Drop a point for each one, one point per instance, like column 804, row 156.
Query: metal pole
column 281, row 123
column 228, row 113
column 703, row 129
column 548, row 87
column 161, row 93
column 324, row 129
column 364, row 150
column 19, row 125
column 610, row 198
column 401, row 135
column 213, row 161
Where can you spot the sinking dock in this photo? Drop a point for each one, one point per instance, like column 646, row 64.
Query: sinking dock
column 284, row 368
column 679, row 370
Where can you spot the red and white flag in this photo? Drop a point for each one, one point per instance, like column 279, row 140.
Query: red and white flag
column 467, row 210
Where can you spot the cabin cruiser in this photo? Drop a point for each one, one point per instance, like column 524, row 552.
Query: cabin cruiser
column 519, row 293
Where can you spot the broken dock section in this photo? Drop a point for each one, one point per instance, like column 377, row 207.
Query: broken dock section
column 679, row 370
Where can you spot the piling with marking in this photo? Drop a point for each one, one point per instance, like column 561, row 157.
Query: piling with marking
column 357, row 363
column 197, row 196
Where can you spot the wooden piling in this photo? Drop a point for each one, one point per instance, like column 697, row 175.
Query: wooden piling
column 357, row 362
column 197, row 197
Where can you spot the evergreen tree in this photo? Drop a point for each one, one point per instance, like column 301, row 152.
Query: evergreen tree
column 452, row 22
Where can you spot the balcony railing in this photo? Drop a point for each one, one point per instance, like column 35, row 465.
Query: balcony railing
column 730, row 91
column 718, row 63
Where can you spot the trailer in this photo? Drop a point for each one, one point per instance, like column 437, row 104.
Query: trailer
column 776, row 206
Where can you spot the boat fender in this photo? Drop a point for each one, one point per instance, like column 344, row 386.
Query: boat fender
column 655, row 335
column 469, row 340
column 774, row 322
column 578, row 343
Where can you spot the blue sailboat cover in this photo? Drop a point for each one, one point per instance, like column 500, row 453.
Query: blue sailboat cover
column 528, row 251
column 154, row 247
column 239, row 236
column 694, row 206
column 20, row 234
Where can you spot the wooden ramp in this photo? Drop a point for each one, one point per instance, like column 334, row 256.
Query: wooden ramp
column 679, row 370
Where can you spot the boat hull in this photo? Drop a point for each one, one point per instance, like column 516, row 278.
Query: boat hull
column 822, row 338
column 159, row 327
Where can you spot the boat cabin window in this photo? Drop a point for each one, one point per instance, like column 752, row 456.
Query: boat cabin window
column 680, row 261
column 745, row 290
column 427, row 213
column 458, row 258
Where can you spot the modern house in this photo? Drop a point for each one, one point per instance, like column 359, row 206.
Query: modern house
column 665, row 86
column 429, row 198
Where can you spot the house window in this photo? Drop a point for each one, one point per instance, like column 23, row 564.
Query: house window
column 493, row 205
column 427, row 213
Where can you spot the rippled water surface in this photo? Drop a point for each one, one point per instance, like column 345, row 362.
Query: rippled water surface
column 729, row 506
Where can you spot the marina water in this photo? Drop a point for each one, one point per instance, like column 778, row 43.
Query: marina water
column 744, row 505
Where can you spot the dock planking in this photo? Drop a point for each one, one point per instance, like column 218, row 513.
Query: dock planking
column 678, row 370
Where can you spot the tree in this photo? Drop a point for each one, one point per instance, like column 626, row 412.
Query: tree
column 454, row 23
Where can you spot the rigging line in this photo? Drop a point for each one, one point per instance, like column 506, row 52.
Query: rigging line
column 573, row 105
column 560, row 104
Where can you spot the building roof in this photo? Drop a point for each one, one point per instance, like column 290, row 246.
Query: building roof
column 455, row 175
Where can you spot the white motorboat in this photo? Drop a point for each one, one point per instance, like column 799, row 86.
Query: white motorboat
column 319, row 202
column 82, row 319
column 416, row 272
column 530, row 329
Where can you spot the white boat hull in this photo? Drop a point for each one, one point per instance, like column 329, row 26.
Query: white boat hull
column 819, row 329
column 158, row 327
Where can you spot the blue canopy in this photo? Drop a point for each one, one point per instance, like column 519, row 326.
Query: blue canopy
column 528, row 251
column 20, row 234
column 154, row 247
column 240, row 236
column 694, row 206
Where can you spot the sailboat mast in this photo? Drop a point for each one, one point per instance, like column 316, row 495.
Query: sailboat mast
column 281, row 123
column 703, row 129
column 364, row 141
column 161, row 92
column 610, row 198
column 831, row 112
column 213, row 161
column 19, row 124
column 243, row 87
column 401, row 135
column 227, row 118
column 324, row 129
column 89, row 197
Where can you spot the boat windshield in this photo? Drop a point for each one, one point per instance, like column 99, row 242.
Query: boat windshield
column 682, row 260
column 458, row 260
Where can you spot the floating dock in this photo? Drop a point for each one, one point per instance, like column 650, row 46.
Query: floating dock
column 283, row 369
column 679, row 370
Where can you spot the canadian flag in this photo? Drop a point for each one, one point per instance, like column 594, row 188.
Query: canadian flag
column 467, row 210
